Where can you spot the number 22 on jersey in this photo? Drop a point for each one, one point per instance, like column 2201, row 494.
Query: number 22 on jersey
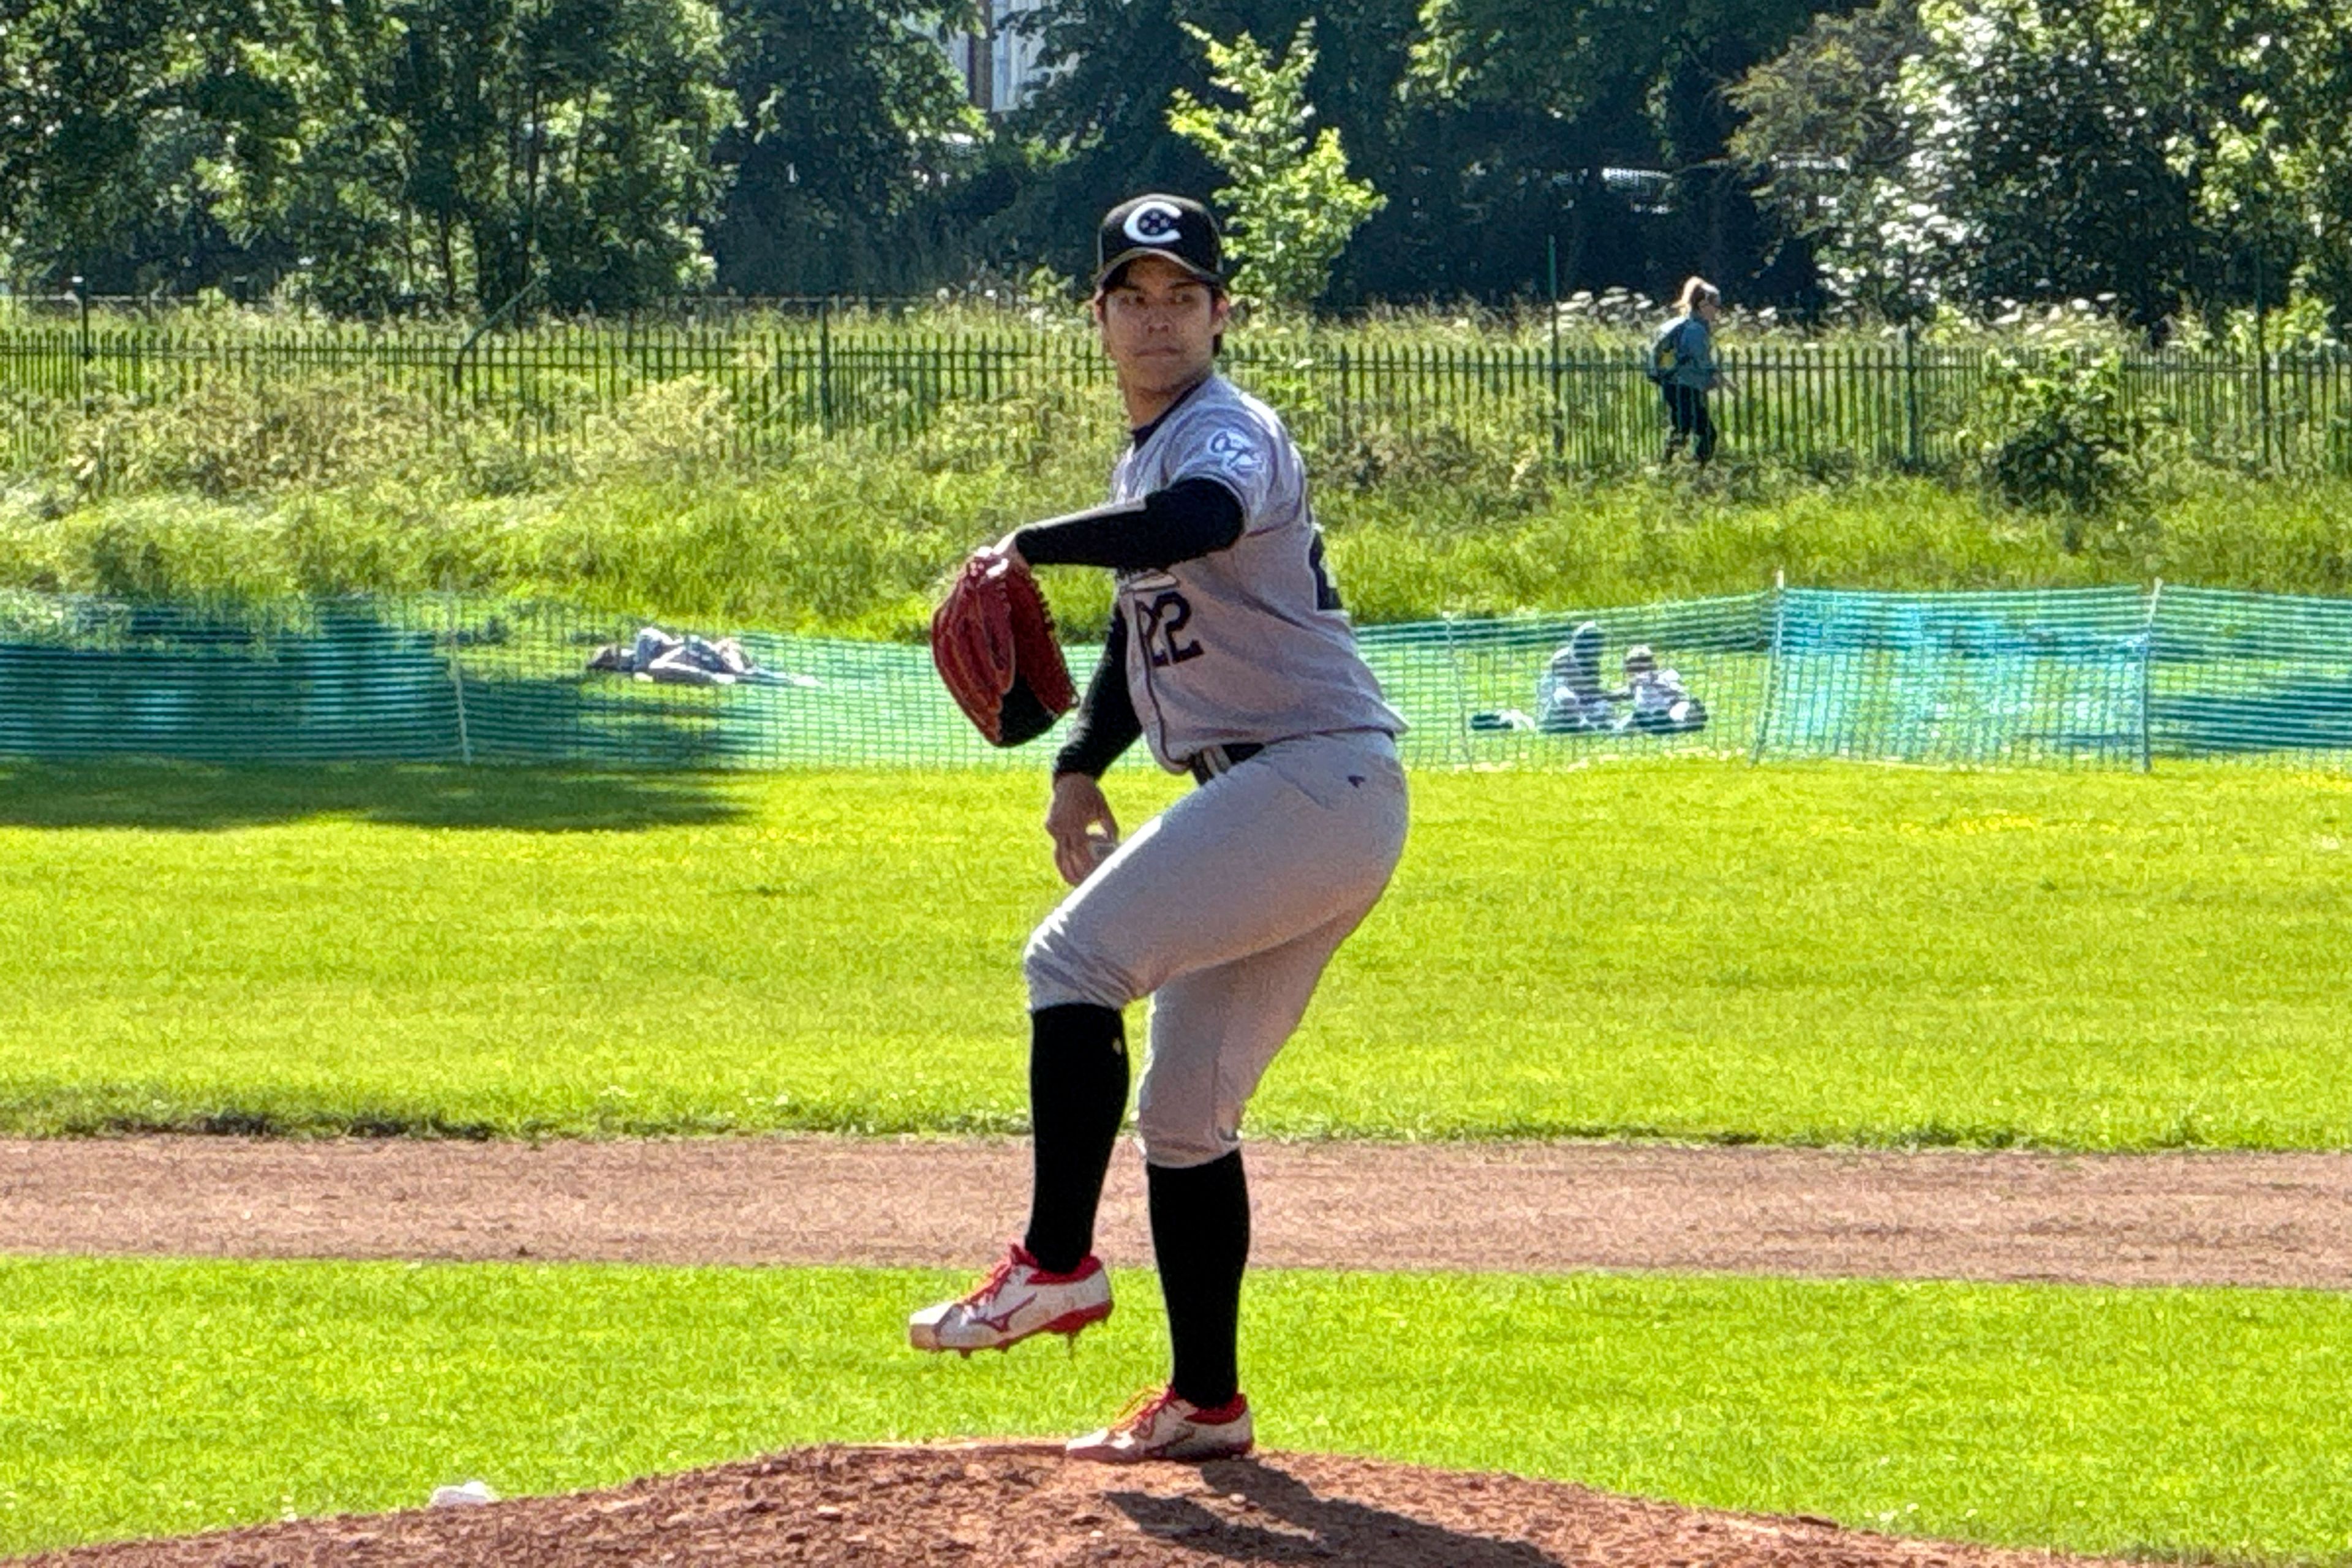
column 1160, row 626
column 1161, row 620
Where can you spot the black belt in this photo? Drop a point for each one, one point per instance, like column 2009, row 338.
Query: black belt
column 1211, row 761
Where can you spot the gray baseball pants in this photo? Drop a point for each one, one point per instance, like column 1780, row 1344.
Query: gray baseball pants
column 1224, row 910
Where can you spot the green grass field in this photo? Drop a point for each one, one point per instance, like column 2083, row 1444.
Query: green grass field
column 1689, row 949
column 147, row 1397
column 1681, row 950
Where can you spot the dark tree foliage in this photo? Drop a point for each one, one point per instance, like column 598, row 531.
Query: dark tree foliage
column 379, row 155
column 458, row 151
column 1823, row 127
column 558, row 148
column 2266, row 89
column 2060, row 168
column 109, row 112
column 1097, row 132
column 852, row 150
column 1479, row 190
column 1483, row 165
column 1637, row 84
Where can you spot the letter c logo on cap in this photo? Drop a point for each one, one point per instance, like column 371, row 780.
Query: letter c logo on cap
column 1153, row 223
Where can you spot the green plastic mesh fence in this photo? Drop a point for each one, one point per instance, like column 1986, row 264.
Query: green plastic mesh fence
column 2095, row 678
column 282, row 683
column 2042, row 677
column 1558, row 689
column 2250, row 674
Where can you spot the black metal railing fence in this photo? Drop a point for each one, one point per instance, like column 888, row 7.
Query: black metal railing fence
column 766, row 384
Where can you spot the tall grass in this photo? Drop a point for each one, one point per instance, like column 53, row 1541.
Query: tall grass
column 855, row 543
column 642, row 499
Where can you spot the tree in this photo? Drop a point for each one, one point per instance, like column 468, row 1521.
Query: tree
column 1095, row 132
column 1291, row 206
column 558, row 147
column 132, row 129
column 2270, row 150
column 1503, row 168
column 2046, row 129
column 2161, row 153
column 1632, row 83
column 1824, row 127
column 850, row 120
column 466, row 150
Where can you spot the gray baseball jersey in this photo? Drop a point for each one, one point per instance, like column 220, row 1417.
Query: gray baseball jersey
column 1245, row 644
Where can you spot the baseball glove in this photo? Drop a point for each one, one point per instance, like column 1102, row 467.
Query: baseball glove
column 992, row 640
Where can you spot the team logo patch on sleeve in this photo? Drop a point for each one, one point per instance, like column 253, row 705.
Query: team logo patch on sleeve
column 1235, row 453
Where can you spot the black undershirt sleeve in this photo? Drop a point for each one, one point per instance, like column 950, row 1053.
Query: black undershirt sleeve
column 1106, row 724
column 1190, row 517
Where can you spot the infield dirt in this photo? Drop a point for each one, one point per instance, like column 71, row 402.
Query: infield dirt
column 2166, row 1219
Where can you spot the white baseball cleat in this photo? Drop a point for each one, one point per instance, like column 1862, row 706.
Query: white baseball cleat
column 1158, row 1424
column 1017, row 1299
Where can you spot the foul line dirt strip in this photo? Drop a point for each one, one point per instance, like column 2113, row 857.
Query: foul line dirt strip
column 2239, row 1219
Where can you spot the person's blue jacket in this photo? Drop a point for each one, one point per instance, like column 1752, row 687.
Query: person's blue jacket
column 1693, row 347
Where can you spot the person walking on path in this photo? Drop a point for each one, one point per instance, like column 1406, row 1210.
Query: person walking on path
column 1682, row 362
column 1229, row 655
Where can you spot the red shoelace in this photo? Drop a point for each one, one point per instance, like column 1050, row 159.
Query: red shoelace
column 995, row 1280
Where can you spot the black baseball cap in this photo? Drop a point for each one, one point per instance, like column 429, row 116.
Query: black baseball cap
column 1176, row 227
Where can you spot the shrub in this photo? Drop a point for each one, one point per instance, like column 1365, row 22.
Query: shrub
column 225, row 439
column 2069, row 444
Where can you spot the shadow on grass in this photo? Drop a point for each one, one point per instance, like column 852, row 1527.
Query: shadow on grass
column 198, row 797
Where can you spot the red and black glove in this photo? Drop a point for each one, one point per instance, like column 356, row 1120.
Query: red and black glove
column 992, row 640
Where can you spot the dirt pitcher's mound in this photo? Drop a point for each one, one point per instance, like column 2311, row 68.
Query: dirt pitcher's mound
column 995, row 1506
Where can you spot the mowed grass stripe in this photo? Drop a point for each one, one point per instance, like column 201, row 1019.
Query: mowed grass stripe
column 1808, row 954
column 141, row 1397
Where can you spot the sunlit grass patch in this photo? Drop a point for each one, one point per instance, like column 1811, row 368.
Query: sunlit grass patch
column 141, row 1398
column 1809, row 954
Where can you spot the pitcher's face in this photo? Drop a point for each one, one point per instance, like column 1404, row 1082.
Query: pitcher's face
column 1160, row 325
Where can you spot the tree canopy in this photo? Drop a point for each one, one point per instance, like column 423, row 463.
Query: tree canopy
column 1290, row 206
column 2162, row 157
column 1892, row 158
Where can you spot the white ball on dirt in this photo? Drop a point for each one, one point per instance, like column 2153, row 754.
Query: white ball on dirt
column 466, row 1496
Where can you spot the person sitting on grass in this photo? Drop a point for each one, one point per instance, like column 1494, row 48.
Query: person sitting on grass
column 1569, row 698
column 1661, row 704
column 1569, row 701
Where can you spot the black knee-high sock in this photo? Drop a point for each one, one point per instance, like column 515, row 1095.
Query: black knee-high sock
column 1200, row 1234
column 1078, row 1095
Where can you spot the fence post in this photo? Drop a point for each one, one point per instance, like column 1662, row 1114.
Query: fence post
column 2146, row 679
column 1558, row 415
column 457, row 360
column 1913, row 442
column 2262, row 358
column 81, row 305
column 457, row 678
column 1771, row 665
column 1461, row 694
column 824, row 367
column 1345, row 401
